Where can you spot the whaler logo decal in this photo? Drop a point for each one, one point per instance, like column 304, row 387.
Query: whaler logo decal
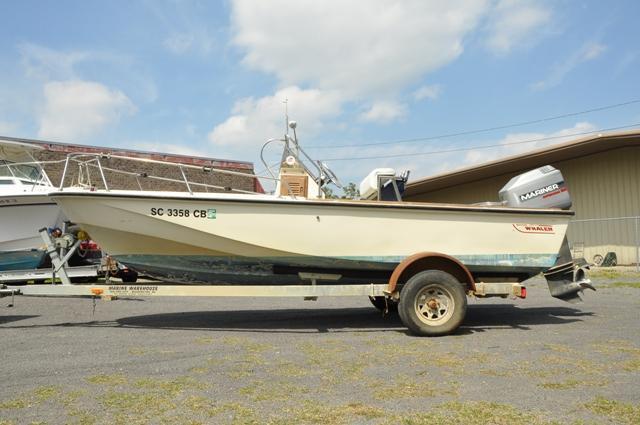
column 534, row 228
column 552, row 189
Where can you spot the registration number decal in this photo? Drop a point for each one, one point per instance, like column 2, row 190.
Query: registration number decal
column 209, row 213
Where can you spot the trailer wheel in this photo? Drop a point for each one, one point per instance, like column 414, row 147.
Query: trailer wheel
column 381, row 304
column 432, row 303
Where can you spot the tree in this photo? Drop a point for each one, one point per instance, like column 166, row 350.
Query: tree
column 350, row 191
column 328, row 193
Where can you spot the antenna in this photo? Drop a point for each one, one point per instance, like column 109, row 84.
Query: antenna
column 286, row 114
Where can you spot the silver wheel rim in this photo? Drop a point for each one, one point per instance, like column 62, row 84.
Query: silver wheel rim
column 434, row 305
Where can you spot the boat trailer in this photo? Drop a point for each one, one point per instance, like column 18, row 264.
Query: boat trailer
column 428, row 290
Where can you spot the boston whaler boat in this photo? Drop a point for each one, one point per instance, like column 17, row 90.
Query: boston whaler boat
column 423, row 258
column 24, row 206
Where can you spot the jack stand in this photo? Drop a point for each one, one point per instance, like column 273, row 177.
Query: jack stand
column 57, row 262
column 4, row 292
column 314, row 277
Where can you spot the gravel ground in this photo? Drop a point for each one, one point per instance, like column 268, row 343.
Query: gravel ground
column 333, row 361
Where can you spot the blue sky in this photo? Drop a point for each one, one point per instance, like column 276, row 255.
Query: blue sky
column 208, row 78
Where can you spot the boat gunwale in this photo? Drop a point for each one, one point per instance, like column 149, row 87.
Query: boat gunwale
column 262, row 199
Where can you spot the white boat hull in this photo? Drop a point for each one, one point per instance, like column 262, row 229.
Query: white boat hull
column 21, row 216
column 225, row 238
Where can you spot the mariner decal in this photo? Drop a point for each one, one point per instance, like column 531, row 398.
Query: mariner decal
column 534, row 228
column 552, row 189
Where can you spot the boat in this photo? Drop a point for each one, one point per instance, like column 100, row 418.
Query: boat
column 24, row 206
column 297, row 233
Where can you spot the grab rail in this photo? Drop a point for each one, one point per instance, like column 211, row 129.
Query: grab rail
column 87, row 162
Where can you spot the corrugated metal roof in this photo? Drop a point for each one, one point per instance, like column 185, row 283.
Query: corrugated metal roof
column 574, row 149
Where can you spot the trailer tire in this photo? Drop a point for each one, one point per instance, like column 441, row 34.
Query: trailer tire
column 432, row 303
column 381, row 304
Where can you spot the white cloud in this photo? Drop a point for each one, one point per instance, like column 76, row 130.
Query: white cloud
column 44, row 63
column 514, row 22
column 171, row 148
column 357, row 47
column 384, row 112
column 181, row 43
column 516, row 143
column 592, row 51
column 362, row 52
column 78, row 109
column 588, row 52
column 427, row 92
column 255, row 120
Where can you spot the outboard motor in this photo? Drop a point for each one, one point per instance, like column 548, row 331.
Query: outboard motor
column 545, row 187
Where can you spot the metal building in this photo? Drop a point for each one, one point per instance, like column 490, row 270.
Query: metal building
column 603, row 175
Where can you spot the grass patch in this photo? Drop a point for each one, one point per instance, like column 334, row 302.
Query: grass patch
column 131, row 407
column 620, row 413
column 572, row 365
column 246, row 344
column 632, row 365
column 289, row 370
column 313, row 413
column 204, row 340
column 475, row 413
column 624, row 285
column 559, row 348
column 405, row 387
column 16, row 403
column 36, row 396
column 273, row 391
column 82, row 417
column 323, row 353
column 105, row 379
column 333, row 361
column 172, row 387
column 46, row 393
column 571, row 383
column 238, row 413
column 448, row 360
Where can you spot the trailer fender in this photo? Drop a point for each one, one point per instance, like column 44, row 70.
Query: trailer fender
column 430, row 261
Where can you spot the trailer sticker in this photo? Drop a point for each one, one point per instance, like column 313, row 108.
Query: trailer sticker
column 534, row 228
column 135, row 290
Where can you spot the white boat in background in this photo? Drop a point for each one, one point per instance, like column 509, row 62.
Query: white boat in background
column 24, row 206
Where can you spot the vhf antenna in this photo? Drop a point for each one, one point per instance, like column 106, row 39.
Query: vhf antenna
column 286, row 115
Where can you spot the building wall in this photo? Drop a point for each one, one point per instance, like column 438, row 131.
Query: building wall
column 603, row 186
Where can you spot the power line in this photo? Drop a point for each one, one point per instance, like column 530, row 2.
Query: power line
column 482, row 130
column 482, row 146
